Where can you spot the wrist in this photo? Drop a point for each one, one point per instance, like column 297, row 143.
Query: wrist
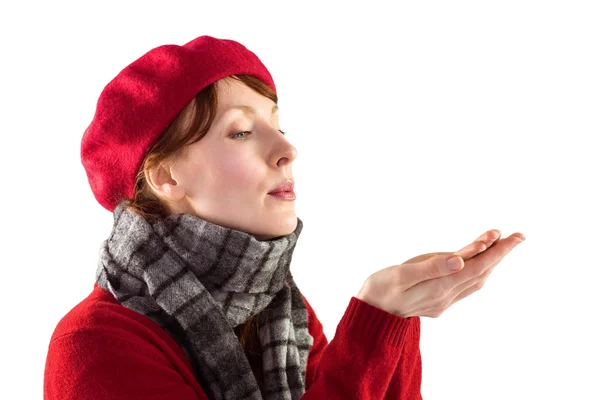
column 367, row 294
column 373, row 296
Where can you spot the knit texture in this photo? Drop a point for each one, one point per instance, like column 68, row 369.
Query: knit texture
column 198, row 281
column 101, row 350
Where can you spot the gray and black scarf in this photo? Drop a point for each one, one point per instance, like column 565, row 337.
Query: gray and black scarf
column 199, row 281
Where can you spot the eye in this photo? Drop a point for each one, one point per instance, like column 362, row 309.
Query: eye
column 235, row 135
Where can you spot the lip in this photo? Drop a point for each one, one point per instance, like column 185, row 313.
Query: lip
column 284, row 195
column 286, row 186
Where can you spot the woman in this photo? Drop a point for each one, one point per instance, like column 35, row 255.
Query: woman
column 194, row 296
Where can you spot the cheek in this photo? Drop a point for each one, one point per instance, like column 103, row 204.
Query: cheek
column 233, row 173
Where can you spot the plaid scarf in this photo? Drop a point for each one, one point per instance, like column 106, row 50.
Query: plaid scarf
column 198, row 281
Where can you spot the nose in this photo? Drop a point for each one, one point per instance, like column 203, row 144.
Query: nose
column 284, row 152
column 287, row 155
column 286, row 160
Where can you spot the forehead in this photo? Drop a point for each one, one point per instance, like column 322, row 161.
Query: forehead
column 231, row 92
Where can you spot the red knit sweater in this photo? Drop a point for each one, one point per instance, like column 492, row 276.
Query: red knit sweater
column 103, row 350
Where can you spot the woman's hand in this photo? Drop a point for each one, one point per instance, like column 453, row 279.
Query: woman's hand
column 426, row 286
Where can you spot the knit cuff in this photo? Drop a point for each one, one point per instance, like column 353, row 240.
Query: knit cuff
column 375, row 323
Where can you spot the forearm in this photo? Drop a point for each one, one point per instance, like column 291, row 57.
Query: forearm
column 361, row 362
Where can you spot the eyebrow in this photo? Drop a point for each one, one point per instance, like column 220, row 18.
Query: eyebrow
column 252, row 110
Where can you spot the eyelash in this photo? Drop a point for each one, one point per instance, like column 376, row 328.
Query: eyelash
column 232, row 135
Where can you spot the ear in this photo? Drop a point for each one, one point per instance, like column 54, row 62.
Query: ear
column 162, row 184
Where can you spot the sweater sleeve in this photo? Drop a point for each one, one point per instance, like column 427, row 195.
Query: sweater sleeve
column 406, row 382
column 103, row 365
column 373, row 355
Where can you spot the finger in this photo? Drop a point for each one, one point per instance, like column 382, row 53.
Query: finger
column 465, row 285
column 431, row 268
column 480, row 263
column 473, row 285
column 490, row 236
column 480, row 244
column 467, row 292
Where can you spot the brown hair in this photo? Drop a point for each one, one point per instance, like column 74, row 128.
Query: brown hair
column 190, row 126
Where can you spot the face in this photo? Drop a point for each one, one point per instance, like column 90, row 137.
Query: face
column 226, row 176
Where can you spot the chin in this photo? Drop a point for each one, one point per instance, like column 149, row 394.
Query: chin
column 285, row 227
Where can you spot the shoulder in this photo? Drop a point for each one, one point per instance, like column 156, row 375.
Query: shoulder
column 98, row 311
column 103, row 350
column 100, row 319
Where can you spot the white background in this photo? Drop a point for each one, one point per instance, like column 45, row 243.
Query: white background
column 418, row 126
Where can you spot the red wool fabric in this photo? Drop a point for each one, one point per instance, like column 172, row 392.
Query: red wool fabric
column 103, row 350
column 144, row 98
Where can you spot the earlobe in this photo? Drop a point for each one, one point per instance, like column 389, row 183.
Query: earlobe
column 163, row 185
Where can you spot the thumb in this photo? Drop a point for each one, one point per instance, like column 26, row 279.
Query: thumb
column 431, row 268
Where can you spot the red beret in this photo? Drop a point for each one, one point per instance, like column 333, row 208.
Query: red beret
column 140, row 102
